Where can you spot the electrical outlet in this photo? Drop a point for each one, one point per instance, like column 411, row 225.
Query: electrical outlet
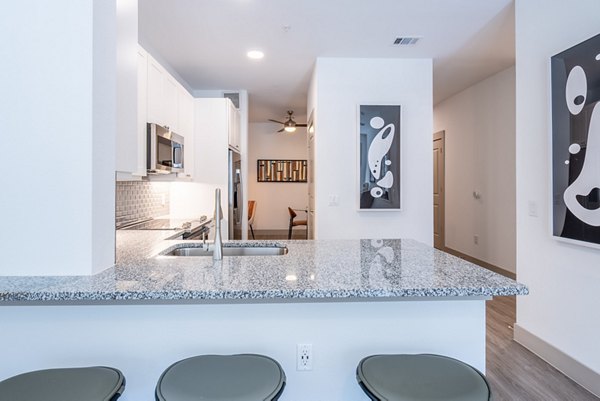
column 476, row 239
column 304, row 357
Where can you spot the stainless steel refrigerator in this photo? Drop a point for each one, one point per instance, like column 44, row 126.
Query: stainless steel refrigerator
column 236, row 202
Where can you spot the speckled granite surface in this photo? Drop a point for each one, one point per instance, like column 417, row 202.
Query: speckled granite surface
column 311, row 270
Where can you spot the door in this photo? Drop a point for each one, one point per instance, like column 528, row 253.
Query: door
column 438, row 190
column 310, row 130
column 236, row 202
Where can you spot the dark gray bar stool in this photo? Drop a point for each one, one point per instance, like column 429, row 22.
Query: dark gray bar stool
column 244, row 377
column 423, row 377
column 97, row 383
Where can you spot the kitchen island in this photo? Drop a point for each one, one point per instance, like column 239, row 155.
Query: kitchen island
column 348, row 298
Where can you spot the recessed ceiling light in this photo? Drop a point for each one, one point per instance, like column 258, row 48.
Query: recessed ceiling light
column 255, row 54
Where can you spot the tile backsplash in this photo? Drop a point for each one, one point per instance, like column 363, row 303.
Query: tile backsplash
column 141, row 199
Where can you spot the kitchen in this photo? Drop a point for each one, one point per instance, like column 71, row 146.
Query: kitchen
column 94, row 233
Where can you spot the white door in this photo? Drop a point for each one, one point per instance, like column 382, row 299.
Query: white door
column 438, row 190
column 310, row 130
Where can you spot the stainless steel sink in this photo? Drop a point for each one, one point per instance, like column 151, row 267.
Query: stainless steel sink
column 231, row 251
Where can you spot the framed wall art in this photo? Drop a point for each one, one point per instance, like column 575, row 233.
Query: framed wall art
column 575, row 80
column 281, row 170
column 379, row 158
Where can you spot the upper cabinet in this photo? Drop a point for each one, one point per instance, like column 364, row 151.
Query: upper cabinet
column 156, row 76
column 131, row 129
column 217, row 129
column 233, row 126
column 142, row 111
column 162, row 100
column 162, row 96
column 171, row 89
column 185, row 124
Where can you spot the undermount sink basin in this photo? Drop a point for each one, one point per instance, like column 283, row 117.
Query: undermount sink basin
column 231, row 251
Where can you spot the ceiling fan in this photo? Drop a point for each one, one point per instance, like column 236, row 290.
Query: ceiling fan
column 289, row 125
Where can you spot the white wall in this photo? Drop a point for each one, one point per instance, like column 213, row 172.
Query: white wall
column 273, row 199
column 58, row 119
column 479, row 123
column 341, row 85
column 564, row 280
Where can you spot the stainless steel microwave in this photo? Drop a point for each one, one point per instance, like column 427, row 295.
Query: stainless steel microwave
column 164, row 151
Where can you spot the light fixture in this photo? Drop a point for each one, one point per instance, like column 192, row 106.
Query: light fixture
column 255, row 54
column 290, row 126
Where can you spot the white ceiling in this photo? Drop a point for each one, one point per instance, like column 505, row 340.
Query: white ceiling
column 205, row 42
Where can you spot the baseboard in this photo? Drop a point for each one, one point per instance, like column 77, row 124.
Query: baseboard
column 578, row 372
column 481, row 263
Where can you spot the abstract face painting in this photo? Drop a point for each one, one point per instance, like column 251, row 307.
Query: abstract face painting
column 379, row 157
column 576, row 142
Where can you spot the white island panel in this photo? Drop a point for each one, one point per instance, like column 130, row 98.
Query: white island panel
column 143, row 340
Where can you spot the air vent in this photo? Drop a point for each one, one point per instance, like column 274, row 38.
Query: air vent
column 406, row 40
column 234, row 97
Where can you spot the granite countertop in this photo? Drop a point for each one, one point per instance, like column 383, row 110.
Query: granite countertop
column 340, row 270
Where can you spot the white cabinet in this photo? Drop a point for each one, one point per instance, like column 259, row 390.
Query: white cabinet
column 164, row 101
column 131, row 131
column 217, row 129
column 155, row 92
column 233, row 121
column 162, row 96
column 171, row 90
column 142, row 111
column 185, row 123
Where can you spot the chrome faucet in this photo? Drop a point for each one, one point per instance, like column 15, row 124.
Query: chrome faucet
column 218, row 242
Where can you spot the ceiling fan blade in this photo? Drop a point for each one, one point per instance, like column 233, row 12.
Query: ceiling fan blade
column 281, row 130
column 300, row 125
column 275, row 121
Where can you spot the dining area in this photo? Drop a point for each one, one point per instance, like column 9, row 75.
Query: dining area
column 295, row 217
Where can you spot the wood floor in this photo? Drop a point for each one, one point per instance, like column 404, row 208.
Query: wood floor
column 297, row 233
column 515, row 373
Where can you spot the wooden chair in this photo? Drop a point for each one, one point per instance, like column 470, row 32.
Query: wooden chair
column 295, row 223
column 251, row 214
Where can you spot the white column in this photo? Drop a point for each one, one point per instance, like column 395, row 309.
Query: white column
column 58, row 136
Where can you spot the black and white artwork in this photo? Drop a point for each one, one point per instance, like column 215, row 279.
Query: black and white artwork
column 576, row 142
column 379, row 158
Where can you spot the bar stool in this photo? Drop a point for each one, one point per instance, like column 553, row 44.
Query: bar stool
column 423, row 377
column 244, row 377
column 97, row 383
